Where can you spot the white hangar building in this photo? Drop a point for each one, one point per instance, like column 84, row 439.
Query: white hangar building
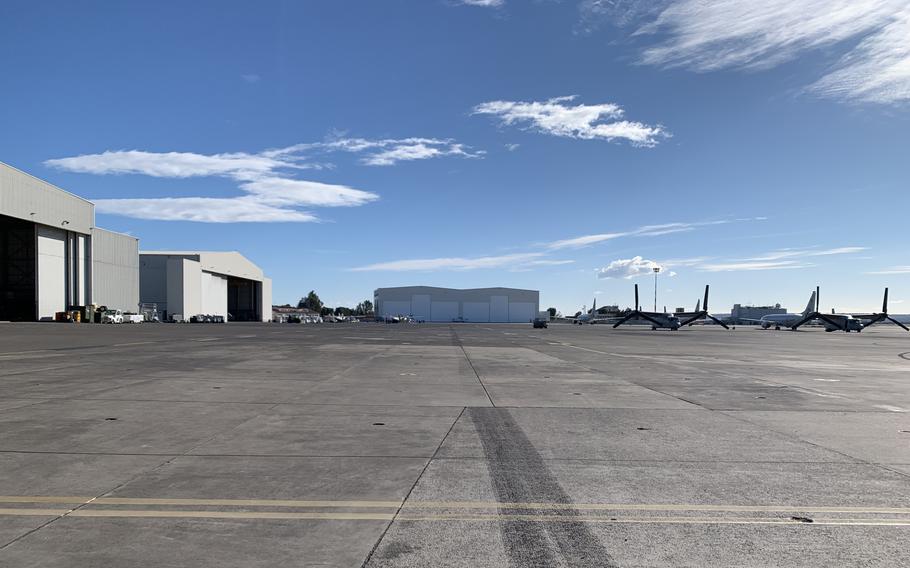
column 189, row 283
column 52, row 256
column 477, row 305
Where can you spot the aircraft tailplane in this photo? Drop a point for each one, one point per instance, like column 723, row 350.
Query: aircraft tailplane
column 810, row 307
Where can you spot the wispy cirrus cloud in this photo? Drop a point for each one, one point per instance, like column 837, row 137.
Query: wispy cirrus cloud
column 744, row 34
column 796, row 253
column 643, row 231
column 484, row 3
column 271, row 190
column 559, row 117
column 892, row 270
column 385, row 151
column 753, row 265
column 539, row 258
column 786, row 259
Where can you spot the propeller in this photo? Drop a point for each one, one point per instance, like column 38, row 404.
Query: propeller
column 894, row 321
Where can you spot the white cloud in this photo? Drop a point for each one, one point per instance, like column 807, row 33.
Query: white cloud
column 202, row 209
column 512, row 147
column 283, row 192
column 585, row 240
column 840, row 250
column 550, row 262
column 628, row 268
column 643, row 231
column 385, row 152
column 485, row 3
column 528, row 260
column 251, row 78
column 777, row 260
column 745, row 34
column 587, row 122
column 893, row 270
column 271, row 193
column 796, row 253
column 170, row 164
column 756, row 265
column 457, row 263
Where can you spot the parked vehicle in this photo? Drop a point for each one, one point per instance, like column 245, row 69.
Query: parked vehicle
column 133, row 318
column 112, row 316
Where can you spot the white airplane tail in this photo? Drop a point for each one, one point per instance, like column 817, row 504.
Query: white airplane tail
column 810, row 307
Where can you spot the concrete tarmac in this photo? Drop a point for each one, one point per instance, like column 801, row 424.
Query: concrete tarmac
column 257, row 445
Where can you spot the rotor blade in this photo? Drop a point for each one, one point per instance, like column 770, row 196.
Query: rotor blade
column 875, row 319
column 705, row 305
column 832, row 322
column 894, row 321
column 693, row 318
column 645, row 316
column 808, row 318
column 818, row 294
column 717, row 321
column 625, row 319
column 637, row 305
column 885, row 303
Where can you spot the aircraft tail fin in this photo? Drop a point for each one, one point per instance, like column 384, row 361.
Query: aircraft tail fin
column 698, row 305
column 594, row 307
column 810, row 307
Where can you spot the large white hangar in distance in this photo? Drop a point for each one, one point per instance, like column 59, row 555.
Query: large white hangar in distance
column 476, row 305
column 52, row 256
column 190, row 283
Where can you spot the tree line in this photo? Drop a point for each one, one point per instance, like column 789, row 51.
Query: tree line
column 312, row 302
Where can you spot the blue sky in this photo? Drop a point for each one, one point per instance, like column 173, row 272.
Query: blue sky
column 566, row 146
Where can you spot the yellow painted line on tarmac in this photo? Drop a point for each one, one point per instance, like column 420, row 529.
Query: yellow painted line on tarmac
column 656, row 520
column 410, row 505
column 33, row 512
column 655, row 507
column 248, row 503
column 234, row 515
column 43, row 499
column 340, row 516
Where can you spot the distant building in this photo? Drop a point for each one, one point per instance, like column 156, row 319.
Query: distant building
column 189, row 283
column 476, row 305
column 741, row 312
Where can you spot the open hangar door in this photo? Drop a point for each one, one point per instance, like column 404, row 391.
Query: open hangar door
column 244, row 299
column 18, row 270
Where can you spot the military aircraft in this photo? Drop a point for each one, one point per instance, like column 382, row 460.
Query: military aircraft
column 784, row 320
column 589, row 317
column 847, row 322
column 663, row 320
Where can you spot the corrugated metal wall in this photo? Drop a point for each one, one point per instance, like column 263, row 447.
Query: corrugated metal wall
column 115, row 270
column 26, row 197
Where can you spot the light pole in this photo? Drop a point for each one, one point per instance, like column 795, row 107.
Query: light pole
column 656, row 270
